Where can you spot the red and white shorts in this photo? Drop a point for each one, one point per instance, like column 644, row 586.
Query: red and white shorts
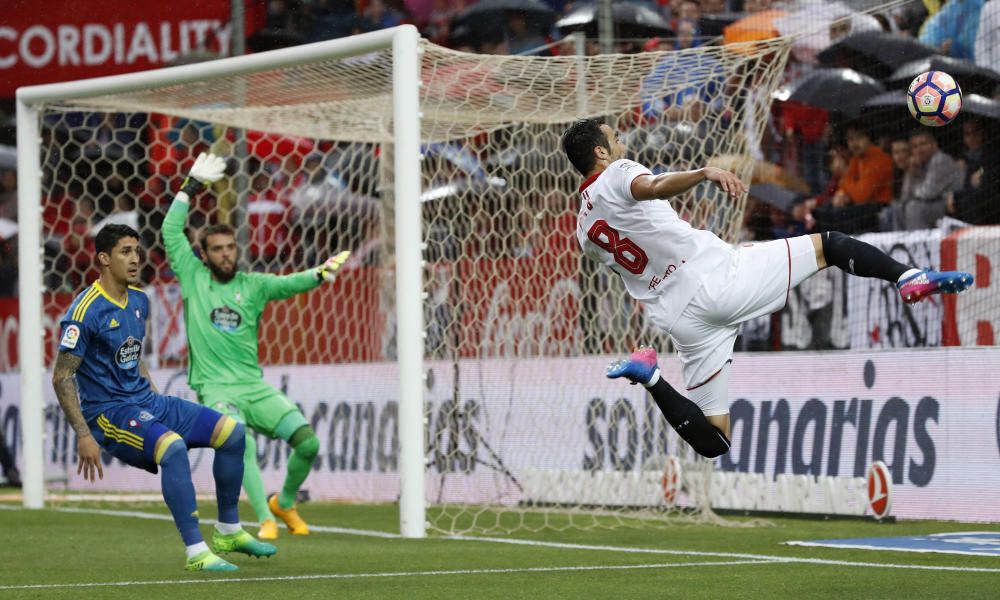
column 753, row 283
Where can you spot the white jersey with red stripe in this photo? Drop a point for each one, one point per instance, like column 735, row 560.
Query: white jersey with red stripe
column 661, row 259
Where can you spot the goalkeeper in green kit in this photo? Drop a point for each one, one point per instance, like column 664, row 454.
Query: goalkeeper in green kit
column 222, row 308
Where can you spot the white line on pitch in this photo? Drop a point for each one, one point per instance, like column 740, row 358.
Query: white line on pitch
column 562, row 545
column 41, row 586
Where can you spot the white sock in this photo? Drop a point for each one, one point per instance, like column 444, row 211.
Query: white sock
column 909, row 273
column 228, row 528
column 654, row 378
column 195, row 549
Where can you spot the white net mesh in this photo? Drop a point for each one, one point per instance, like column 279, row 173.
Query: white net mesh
column 523, row 431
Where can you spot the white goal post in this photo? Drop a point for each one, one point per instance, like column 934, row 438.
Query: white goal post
column 405, row 49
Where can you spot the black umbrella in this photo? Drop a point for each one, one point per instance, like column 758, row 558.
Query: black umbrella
column 973, row 78
column 980, row 106
column 781, row 198
column 713, row 25
column 894, row 98
column 630, row 21
column 841, row 90
column 887, row 115
column 486, row 21
column 875, row 53
column 972, row 104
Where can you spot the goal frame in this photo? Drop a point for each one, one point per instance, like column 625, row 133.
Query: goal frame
column 404, row 43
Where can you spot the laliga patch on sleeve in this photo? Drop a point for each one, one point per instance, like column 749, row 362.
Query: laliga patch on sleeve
column 70, row 337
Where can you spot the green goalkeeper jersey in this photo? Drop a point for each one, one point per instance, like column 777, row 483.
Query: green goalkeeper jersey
column 221, row 318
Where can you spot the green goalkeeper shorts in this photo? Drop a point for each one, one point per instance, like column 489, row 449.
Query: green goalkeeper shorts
column 258, row 405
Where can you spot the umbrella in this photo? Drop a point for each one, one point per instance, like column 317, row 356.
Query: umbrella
column 980, row 106
column 972, row 104
column 486, row 20
column 842, row 90
column 8, row 157
column 973, row 78
column 714, row 25
column 875, row 53
column 887, row 115
column 775, row 195
column 630, row 21
column 811, row 26
column 536, row 11
column 8, row 229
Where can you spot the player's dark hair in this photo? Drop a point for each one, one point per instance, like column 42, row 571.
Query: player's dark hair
column 218, row 228
column 107, row 238
column 579, row 141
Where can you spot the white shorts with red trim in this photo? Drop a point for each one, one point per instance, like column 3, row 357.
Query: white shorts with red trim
column 754, row 283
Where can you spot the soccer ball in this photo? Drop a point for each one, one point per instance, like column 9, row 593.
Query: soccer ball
column 934, row 98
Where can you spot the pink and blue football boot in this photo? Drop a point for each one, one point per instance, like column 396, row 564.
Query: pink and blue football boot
column 920, row 285
column 639, row 367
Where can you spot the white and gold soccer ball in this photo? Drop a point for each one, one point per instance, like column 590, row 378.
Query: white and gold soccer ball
column 934, row 98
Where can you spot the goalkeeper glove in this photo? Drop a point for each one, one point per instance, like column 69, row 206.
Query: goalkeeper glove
column 328, row 270
column 207, row 168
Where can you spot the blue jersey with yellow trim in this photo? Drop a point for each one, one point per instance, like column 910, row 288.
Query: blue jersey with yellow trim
column 108, row 337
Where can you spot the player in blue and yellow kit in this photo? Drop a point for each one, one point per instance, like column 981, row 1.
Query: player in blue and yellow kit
column 108, row 397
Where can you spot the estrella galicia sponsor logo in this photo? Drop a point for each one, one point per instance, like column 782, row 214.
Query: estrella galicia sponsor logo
column 127, row 355
column 226, row 319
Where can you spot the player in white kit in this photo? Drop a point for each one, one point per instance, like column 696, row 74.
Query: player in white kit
column 696, row 287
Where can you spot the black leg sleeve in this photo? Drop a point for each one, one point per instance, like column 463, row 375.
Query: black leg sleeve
column 861, row 259
column 688, row 420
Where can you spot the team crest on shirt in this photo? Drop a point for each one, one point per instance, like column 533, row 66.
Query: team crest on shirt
column 70, row 337
column 127, row 355
column 133, row 423
column 137, row 314
column 145, row 416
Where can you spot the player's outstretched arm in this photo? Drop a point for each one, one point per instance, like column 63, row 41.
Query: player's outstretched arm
column 87, row 449
column 207, row 168
column 279, row 287
column 666, row 185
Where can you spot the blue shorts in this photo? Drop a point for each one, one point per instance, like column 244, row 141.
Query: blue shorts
column 130, row 431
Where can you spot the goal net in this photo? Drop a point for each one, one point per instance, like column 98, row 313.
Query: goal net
column 522, row 428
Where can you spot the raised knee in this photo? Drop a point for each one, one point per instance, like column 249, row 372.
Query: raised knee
column 832, row 240
column 229, row 434
column 169, row 445
column 309, row 447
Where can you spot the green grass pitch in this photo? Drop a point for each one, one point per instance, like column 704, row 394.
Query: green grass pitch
column 99, row 551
